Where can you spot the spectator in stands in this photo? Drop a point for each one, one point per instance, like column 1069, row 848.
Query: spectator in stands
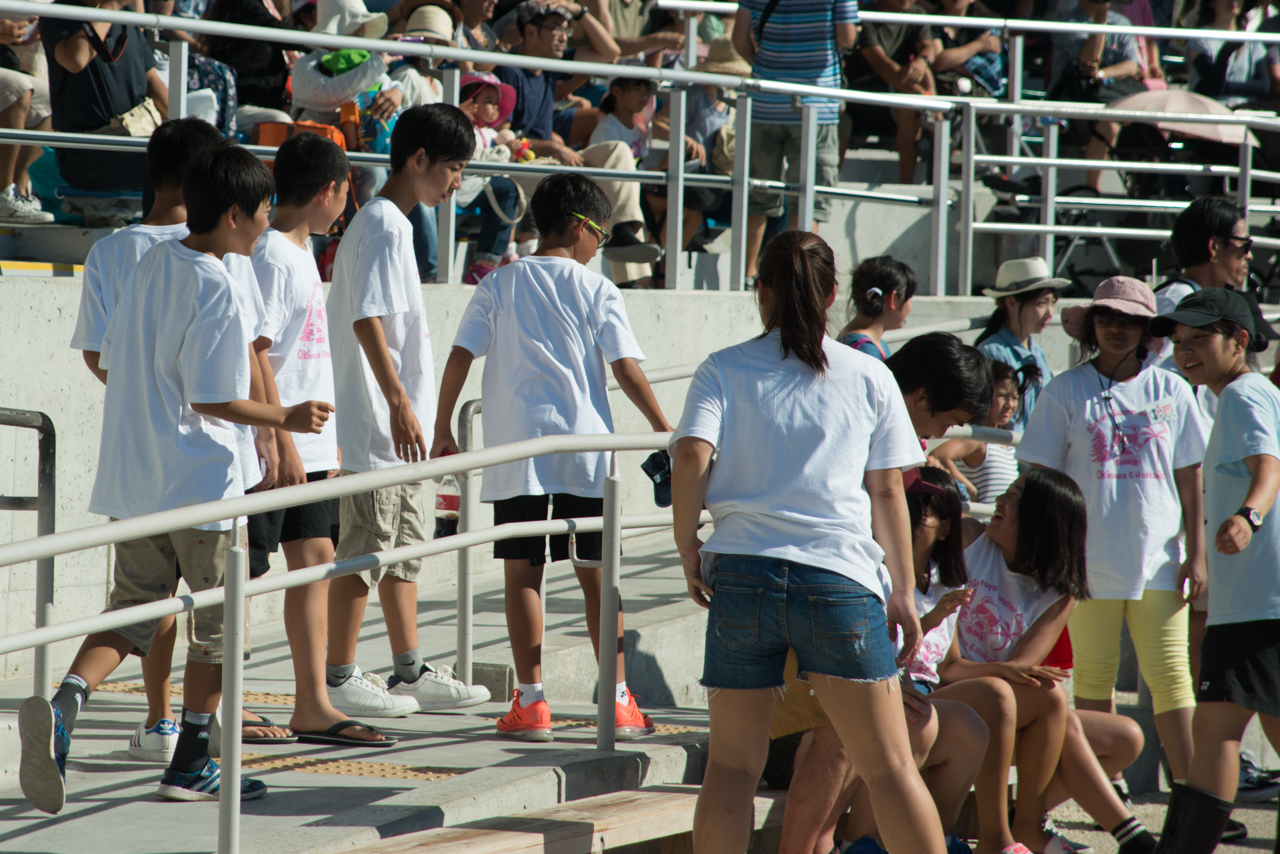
column 474, row 32
column 667, row 52
column 1234, row 73
column 487, row 101
column 799, row 42
column 431, row 25
column 970, row 52
column 894, row 58
column 1140, row 14
column 545, row 30
column 1095, row 68
column 1025, row 294
column 261, row 67
column 102, row 80
column 25, row 100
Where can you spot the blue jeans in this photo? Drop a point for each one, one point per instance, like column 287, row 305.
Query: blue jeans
column 495, row 233
column 426, row 236
column 761, row 607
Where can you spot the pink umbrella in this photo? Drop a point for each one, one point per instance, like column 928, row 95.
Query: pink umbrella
column 1182, row 101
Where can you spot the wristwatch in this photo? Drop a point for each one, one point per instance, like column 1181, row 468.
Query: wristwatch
column 582, row 12
column 1252, row 517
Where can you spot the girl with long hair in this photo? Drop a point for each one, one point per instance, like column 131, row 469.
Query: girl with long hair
column 986, row 470
column 880, row 293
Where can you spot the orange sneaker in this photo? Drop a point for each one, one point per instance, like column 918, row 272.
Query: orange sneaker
column 629, row 721
column 526, row 723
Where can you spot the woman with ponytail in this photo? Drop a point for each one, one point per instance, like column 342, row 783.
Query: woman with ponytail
column 811, row 549
column 880, row 295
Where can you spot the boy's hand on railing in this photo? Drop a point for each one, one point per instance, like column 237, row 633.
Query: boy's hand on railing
column 308, row 417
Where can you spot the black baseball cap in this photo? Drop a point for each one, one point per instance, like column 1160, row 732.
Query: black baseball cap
column 1204, row 307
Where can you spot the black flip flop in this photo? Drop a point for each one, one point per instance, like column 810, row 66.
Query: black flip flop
column 264, row 739
column 332, row 736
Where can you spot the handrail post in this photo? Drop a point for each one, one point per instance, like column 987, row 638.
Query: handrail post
column 468, row 517
column 741, row 190
column 941, row 215
column 447, row 212
column 46, row 512
column 969, row 130
column 233, row 614
column 1049, row 189
column 610, row 563
column 679, row 101
column 177, row 79
column 1245, row 181
column 808, row 165
column 1016, row 44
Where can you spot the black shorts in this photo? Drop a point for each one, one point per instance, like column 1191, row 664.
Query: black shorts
column 781, row 764
column 1240, row 663
column 533, row 508
column 268, row 530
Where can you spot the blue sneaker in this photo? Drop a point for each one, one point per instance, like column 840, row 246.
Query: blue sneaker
column 45, row 743
column 865, row 845
column 202, row 785
column 956, row 845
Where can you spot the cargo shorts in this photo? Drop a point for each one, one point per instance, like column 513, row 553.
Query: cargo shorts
column 383, row 519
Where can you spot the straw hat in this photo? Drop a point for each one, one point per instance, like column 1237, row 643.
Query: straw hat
column 431, row 22
column 723, row 59
column 1121, row 294
column 506, row 93
column 1021, row 275
column 344, row 17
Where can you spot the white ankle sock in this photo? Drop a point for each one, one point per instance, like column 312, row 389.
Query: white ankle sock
column 621, row 692
column 530, row 693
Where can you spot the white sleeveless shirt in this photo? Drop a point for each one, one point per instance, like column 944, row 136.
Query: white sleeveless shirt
column 1004, row 604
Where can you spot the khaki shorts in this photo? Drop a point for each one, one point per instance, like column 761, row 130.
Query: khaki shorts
column 797, row 709
column 15, row 84
column 770, row 144
column 146, row 570
column 380, row 520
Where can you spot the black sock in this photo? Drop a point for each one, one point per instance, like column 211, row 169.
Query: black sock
column 1133, row 837
column 193, row 742
column 72, row 694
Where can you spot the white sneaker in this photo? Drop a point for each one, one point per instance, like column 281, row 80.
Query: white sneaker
column 17, row 208
column 436, row 689
column 155, row 744
column 365, row 695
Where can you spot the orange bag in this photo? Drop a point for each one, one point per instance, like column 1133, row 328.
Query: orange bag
column 275, row 133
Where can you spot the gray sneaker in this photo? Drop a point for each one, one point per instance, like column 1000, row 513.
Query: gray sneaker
column 18, row 209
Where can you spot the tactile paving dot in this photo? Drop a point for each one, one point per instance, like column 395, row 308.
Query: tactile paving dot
column 344, row 767
column 176, row 691
column 584, row 723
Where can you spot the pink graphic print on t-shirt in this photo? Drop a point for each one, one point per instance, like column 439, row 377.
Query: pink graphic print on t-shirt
column 989, row 626
column 1107, row 451
column 313, row 343
column 933, row 648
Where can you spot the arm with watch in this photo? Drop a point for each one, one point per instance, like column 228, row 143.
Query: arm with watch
column 1235, row 533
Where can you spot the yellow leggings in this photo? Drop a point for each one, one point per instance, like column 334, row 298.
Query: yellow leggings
column 1158, row 627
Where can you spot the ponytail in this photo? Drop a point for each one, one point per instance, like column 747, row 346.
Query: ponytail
column 609, row 102
column 799, row 270
column 874, row 279
column 1000, row 316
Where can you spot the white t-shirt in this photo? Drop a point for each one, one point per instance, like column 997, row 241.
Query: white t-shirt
column 112, row 262
column 937, row 641
column 794, row 447
column 548, row 327
column 179, row 336
column 610, row 128
column 1167, row 299
column 1004, row 604
column 249, row 301
column 296, row 322
column 1135, row 539
column 376, row 275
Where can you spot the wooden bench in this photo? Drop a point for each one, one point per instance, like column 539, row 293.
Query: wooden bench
column 587, row 826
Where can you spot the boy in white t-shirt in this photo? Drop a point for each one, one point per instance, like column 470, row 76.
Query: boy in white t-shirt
column 386, row 389
column 548, row 325
column 178, row 362
column 110, row 265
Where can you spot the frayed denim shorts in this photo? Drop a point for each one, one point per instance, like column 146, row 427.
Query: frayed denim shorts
column 761, row 607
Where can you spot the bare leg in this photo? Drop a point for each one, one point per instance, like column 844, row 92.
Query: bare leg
column 524, row 618
column 589, row 581
column 1039, row 748
column 100, row 654
column 201, row 687
column 1195, row 637
column 156, row 668
column 953, row 763
column 1174, row 729
column 28, row 155
column 1082, row 776
column 909, row 126
column 755, row 237
column 399, row 599
column 348, row 597
column 12, row 116
column 736, row 755
column 1096, row 149
column 823, row 773
column 692, row 225
column 1215, row 765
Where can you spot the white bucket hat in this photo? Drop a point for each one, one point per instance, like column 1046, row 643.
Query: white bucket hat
column 344, row 17
column 1021, row 275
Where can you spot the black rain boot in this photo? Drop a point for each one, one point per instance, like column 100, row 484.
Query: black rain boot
column 1194, row 822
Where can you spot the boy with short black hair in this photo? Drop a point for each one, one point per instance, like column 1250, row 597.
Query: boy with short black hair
column 311, row 191
column 178, row 361
column 548, row 325
column 385, row 388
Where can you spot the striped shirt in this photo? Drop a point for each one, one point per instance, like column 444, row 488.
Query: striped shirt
column 998, row 469
column 798, row 46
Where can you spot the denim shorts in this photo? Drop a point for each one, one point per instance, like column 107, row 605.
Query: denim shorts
column 761, row 607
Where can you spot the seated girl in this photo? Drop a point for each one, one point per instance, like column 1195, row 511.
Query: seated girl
column 986, row 470
column 488, row 102
column 880, row 293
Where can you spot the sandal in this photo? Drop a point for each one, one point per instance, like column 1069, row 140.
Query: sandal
column 333, row 736
column 264, row 722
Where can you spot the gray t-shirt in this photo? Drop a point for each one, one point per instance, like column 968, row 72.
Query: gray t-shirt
column 1117, row 48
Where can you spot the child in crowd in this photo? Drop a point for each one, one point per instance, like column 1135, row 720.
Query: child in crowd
column 986, row 469
column 110, row 265
column 311, row 192
column 488, row 102
column 1210, row 331
column 1027, row 571
column 385, row 389
column 944, row 382
column 880, row 293
column 1025, row 294
column 794, row 535
column 178, row 363
column 1131, row 434
column 548, row 327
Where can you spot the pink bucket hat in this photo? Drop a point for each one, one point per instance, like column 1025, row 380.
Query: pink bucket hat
column 1121, row 294
column 506, row 94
